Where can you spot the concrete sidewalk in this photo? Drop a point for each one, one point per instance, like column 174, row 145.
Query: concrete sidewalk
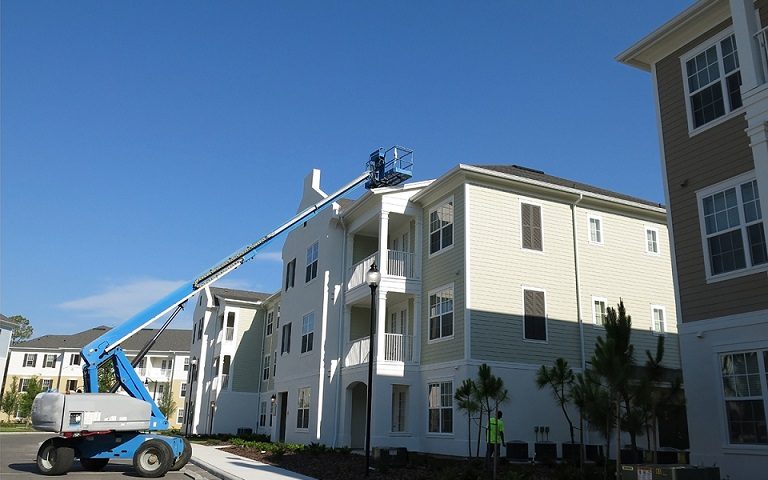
column 228, row 466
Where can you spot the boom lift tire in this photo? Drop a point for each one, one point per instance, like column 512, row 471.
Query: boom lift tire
column 184, row 457
column 93, row 464
column 54, row 458
column 153, row 458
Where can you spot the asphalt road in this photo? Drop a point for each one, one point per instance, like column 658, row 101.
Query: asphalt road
column 17, row 461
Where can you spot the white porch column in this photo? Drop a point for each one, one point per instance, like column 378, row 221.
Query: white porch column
column 383, row 234
column 745, row 28
column 758, row 137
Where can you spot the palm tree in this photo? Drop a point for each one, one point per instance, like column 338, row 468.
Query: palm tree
column 491, row 392
column 466, row 399
column 560, row 379
column 594, row 402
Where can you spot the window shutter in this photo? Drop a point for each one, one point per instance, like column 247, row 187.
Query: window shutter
column 535, row 321
column 531, row 225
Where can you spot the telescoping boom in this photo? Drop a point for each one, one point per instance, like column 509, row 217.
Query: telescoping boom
column 113, row 424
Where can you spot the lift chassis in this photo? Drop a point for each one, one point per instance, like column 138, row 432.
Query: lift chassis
column 98, row 426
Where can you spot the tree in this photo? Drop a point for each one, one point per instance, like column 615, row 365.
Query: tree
column 466, row 399
column 491, row 393
column 166, row 403
column 10, row 400
column 560, row 379
column 594, row 404
column 106, row 377
column 22, row 331
column 27, row 397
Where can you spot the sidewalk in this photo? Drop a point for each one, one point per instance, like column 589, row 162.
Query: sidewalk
column 228, row 466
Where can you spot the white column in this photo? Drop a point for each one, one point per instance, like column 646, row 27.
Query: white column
column 417, row 325
column 745, row 28
column 383, row 234
column 418, row 246
column 758, row 136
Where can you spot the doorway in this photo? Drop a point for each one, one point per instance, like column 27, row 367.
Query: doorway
column 283, row 401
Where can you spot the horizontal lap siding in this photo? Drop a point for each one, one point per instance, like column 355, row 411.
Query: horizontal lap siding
column 693, row 163
column 246, row 366
column 439, row 270
column 500, row 268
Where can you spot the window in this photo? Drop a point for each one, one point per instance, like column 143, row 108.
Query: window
column 183, row 390
column 24, row 384
column 194, row 329
column 311, row 272
column 285, row 346
column 30, row 359
column 165, row 366
column 74, row 359
column 732, row 227
column 160, row 388
column 530, row 217
column 200, row 329
column 713, row 82
column 598, row 310
column 595, row 229
column 441, row 227
column 651, row 240
column 229, row 334
column 307, row 332
column 225, row 371
column 180, row 416
column 290, row 274
column 440, row 407
column 274, row 365
column 658, row 317
column 265, row 368
column 47, row 384
column 399, row 408
column 744, row 381
column 535, row 319
column 49, row 361
column 441, row 313
column 186, row 364
column 71, row 385
column 263, row 414
column 302, row 411
column 270, row 322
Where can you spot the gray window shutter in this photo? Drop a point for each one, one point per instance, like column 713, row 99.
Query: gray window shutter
column 531, row 224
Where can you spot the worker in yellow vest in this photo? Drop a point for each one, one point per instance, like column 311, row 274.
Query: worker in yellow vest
column 494, row 436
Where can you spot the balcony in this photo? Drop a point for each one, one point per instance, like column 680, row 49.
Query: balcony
column 397, row 348
column 399, row 264
column 357, row 352
column 762, row 41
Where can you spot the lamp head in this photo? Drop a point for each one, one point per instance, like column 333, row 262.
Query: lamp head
column 373, row 277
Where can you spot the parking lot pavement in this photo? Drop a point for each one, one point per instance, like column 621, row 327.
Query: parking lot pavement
column 17, row 461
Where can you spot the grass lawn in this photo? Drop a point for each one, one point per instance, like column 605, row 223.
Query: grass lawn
column 15, row 427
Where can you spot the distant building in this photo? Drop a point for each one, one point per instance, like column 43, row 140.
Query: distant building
column 56, row 361
column 6, row 332
column 709, row 73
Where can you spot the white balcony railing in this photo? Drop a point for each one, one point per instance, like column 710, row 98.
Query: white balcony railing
column 400, row 263
column 398, row 347
column 229, row 334
column 357, row 352
column 165, row 372
column 358, row 271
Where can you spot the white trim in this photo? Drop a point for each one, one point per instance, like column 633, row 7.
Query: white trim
column 440, row 380
column 546, row 319
column 467, row 277
column 663, row 310
column 317, row 273
column 650, row 228
column 525, row 200
column 314, row 321
column 448, row 199
column 594, row 317
column 599, row 218
column 453, row 314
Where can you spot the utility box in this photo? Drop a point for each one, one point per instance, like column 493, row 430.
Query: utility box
column 390, row 456
column 78, row 412
column 669, row 472
column 517, row 451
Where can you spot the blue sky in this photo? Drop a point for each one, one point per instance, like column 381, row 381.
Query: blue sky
column 143, row 141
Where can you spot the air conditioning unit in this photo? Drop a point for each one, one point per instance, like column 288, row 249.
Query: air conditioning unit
column 390, row 457
column 669, row 472
column 244, row 431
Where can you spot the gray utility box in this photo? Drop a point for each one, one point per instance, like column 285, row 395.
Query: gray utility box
column 78, row 412
column 669, row 472
column 390, row 456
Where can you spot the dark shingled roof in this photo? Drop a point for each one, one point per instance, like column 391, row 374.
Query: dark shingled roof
column 244, row 295
column 170, row 340
column 563, row 182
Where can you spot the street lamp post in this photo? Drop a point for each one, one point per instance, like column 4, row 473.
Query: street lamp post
column 154, row 391
column 372, row 278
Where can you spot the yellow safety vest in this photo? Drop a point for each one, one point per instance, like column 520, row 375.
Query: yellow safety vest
column 495, row 428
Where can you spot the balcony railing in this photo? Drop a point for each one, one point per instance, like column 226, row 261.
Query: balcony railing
column 357, row 352
column 400, row 263
column 229, row 334
column 398, row 347
column 358, row 271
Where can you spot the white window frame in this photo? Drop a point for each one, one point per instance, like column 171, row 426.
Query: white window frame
column 442, row 338
column 453, row 228
column 230, row 335
column 186, row 364
column 712, row 41
column 69, row 384
column 400, row 417
column 763, row 374
column 601, row 230
column 263, row 412
column 285, row 340
column 266, row 368
column 527, row 201
column 24, row 384
column 307, row 333
column 546, row 314
column 49, row 356
column 74, row 359
column 663, row 310
column 313, row 254
column 27, row 363
column 183, row 389
column 594, row 312
column 49, row 381
column 657, row 240
column 269, row 328
column 180, row 416
column 733, row 182
column 439, row 383
column 304, row 393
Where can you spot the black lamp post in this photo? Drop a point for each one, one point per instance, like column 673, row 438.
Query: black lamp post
column 372, row 278
column 154, row 392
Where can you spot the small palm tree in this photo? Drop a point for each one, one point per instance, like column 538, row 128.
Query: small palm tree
column 466, row 399
column 560, row 379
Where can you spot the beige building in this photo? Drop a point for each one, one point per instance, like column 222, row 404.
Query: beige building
column 55, row 360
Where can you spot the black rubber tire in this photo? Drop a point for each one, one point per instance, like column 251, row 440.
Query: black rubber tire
column 93, row 464
column 184, row 457
column 153, row 458
column 54, row 457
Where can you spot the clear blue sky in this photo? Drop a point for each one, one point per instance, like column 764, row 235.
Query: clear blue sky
column 143, row 141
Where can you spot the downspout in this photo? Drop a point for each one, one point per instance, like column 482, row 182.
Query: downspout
column 260, row 374
column 340, row 355
column 578, row 314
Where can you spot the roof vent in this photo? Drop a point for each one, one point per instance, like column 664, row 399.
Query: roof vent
column 527, row 169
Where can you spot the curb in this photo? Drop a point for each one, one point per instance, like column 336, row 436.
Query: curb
column 213, row 470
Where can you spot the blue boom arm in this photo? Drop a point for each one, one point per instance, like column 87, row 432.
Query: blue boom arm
column 385, row 168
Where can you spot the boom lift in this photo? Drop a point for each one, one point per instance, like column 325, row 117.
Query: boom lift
column 96, row 426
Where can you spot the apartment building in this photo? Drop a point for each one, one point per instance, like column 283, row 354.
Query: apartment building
column 56, row 361
column 228, row 341
column 501, row 265
column 6, row 333
column 709, row 67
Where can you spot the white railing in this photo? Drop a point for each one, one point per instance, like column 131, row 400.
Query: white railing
column 165, row 372
column 400, row 263
column 230, row 334
column 398, row 347
column 224, row 380
column 358, row 271
column 357, row 352
column 762, row 40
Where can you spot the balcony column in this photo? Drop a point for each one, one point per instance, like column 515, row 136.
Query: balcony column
column 745, row 28
column 758, row 139
column 417, row 326
column 383, row 239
